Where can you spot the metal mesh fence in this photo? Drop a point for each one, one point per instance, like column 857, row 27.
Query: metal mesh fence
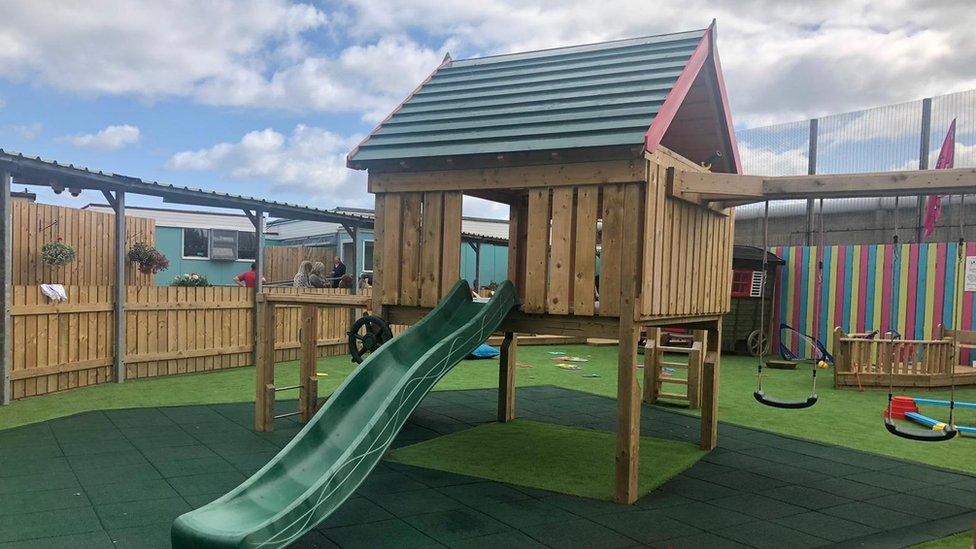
column 886, row 138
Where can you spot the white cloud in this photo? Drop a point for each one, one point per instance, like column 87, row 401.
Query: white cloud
column 370, row 80
column 251, row 53
column 783, row 60
column 479, row 207
column 765, row 161
column 111, row 138
column 310, row 162
column 27, row 132
column 2, row 103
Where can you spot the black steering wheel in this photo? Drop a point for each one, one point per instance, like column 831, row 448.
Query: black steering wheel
column 367, row 334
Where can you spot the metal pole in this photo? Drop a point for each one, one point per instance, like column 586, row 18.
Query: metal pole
column 477, row 265
column 811, row 170
column 259, row 256
column 119, row 308
column 258, row 222
column 355, row 259
column 923, row 162
column 5, row 274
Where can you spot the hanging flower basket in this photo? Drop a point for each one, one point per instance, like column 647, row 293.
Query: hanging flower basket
column 57, row 254
column 149, row 259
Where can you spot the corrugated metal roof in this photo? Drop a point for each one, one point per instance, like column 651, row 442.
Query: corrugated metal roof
column 581, row 96
column 47, row 171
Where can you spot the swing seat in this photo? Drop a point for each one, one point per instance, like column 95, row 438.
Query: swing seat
column 921, row 435
column 788, row 404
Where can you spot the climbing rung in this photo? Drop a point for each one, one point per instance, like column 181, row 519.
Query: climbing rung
column 673, row 364
column 289, row 388
column 675, row 396
column 679, row 350
column 289, row 414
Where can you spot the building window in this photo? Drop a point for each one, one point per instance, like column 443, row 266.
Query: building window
column 368, row 256
column 741, row 283
column 196, row 243
column 247, row 245
column 757, row 284
column 747, row 283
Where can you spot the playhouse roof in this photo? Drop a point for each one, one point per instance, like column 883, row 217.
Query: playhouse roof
column 621, row 93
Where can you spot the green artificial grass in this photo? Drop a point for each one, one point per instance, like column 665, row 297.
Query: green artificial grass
column 234, row 385
column 963, row 540
column 844, row 417
column 550, row 457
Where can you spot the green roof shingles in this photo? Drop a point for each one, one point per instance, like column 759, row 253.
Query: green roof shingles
column 580, row 96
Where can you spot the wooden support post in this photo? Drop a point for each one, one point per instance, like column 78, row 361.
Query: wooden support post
column 651, row 369
column 6, row 255
column 507, row 364
column 264, row 397
column 628, row 413
column 694, row 375
column 709, row 387
column 628, row 390
column 118, row 360
column 308, row 394
column 695, row 360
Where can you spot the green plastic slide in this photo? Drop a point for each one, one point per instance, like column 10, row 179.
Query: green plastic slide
column 331, row 456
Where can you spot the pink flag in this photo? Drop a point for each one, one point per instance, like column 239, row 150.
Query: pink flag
column 933, row 207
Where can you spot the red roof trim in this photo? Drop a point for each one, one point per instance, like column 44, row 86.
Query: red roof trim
column 349, row 160
column 727, row 121
column 705, row 52
column 667, row 112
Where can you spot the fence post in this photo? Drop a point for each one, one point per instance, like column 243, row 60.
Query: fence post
column 119, row 308
column 923, row 162
column 308, row 395
column 811, row 170
column 6, row 255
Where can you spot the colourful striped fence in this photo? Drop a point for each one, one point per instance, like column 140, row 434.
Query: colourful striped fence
column 859, row 290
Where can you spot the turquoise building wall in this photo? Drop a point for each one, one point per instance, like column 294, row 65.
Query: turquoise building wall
column 494, row 263
column 169, row 240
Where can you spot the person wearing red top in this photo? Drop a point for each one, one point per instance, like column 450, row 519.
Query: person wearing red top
column 249, row 279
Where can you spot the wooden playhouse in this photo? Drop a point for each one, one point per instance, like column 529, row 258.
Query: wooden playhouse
column 584, row 144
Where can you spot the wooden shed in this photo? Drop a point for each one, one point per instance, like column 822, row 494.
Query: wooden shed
column 740, row 328
column 583, row 144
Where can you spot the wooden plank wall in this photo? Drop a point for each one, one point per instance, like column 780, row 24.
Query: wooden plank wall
column 91, row 234
column 420, row 257
column 281, row 262
column 168, row 331
column 687, row 249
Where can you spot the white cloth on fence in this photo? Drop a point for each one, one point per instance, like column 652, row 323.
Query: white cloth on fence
column 54, row 292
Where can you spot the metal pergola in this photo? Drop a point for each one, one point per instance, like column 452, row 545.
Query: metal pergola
column 37, row 172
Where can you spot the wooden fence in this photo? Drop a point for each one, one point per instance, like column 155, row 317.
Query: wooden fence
column 281, row 262
column 168, row 331
column 91, row 234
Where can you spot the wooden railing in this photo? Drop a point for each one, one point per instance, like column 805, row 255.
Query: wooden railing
column 868, row 362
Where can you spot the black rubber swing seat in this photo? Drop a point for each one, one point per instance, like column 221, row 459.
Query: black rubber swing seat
column 921, row 435
column 788, row 404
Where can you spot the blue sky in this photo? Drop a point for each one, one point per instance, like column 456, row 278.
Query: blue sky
column 265, row 97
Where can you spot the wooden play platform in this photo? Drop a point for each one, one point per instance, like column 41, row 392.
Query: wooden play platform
column 862, row 361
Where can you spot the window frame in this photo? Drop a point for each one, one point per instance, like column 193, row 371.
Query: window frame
column 183, row 244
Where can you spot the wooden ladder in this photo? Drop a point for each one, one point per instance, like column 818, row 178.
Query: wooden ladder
column 654, row 363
